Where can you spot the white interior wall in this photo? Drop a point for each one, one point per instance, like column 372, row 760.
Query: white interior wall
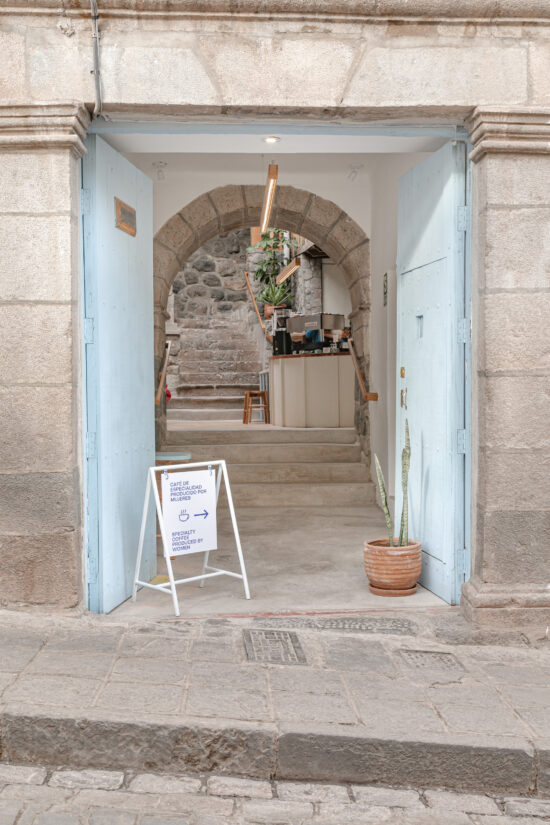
column 336, row 297
column 344, row 179
column 364, row 186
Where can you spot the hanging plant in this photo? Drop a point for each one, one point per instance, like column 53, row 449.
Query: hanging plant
column 277, row 247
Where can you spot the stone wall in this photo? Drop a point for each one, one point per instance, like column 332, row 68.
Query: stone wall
column 307, row 286
column 211, row 282
column 211, row 307
column 382, row 57
column 210, row 293
column 41, row 548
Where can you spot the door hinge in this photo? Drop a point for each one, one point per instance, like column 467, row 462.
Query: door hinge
column 461, row 556
column 88, row 330
column 463, row 331
column 85, row 201
column 461, row 441
column 462, row 215
column 91, row 445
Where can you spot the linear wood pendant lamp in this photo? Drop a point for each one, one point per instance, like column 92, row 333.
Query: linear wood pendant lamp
column 288, row 271
column 269, row 196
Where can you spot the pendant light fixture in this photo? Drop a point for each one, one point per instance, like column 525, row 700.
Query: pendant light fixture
column 288, row 271
column 269, row 196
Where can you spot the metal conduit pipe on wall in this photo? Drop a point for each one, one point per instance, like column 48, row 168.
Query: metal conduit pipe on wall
column 98, row 106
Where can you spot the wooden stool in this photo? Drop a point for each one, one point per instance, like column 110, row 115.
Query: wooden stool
column 249, row 406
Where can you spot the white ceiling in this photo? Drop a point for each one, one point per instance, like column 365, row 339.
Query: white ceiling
column 233, row 143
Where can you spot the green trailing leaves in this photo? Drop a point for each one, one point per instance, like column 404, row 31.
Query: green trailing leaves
column 384, row 498
column 405, row 467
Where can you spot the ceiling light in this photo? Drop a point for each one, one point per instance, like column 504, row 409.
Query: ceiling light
column 272, row 174
column 288, row 271
column 271, row 139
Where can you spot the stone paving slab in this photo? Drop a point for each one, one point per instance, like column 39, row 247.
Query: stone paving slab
column 393, row 697
column 32, row 796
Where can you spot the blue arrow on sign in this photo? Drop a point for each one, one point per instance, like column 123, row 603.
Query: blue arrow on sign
column 204, row 514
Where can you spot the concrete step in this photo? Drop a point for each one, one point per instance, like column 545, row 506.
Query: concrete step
column 235, row 350
column 198, row 414
column 286, row 436
column 302, row 495
column 212, row 378
column 210, row 402
column 204, row 388
column 267, row 453
column 303, row 473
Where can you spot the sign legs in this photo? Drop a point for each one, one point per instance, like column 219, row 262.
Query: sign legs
column 235, row 530
column 170, row 586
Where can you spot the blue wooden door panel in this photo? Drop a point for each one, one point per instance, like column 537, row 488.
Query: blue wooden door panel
column 430, row 305
column 118, row 285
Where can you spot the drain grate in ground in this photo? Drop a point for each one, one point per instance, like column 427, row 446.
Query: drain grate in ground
column 277, row 647
column 350, row 624
column 431, row 660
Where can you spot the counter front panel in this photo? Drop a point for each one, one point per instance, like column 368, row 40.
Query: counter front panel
column 311, row 390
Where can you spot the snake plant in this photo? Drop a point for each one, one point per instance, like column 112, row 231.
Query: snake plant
column 405, row 466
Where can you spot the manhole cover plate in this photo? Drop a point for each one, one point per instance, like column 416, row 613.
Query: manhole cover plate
column 431, row 660
column 350, row 624
column 278, row 647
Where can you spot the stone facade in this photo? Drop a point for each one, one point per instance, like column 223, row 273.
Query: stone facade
column 419, row 62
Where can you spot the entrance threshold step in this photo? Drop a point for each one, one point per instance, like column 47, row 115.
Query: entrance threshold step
column 265, row 750
column 197, row 415
column 308, row 494
column 250, row 434
column 267, row 453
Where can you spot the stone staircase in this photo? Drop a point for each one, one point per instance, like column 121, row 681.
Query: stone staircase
column 283, row 467
column 218, row 361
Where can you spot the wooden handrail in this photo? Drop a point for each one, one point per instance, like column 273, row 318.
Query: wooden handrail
column 367, row 396
column 162, row 373
column 253, row 299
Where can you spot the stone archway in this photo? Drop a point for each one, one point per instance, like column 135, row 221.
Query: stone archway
column 232, row 207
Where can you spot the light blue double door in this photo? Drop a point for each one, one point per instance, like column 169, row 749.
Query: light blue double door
column 118, row 373
column 433, row 332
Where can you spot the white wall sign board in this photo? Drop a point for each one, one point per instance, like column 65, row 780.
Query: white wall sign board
column 187, row 519
column 189, row 511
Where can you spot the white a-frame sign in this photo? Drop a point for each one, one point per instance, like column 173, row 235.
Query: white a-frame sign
column 188, row 521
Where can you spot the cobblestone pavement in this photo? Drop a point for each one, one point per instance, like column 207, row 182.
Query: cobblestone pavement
column 37, row 796
column 310, row 697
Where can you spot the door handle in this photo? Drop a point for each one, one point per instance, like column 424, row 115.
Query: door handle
column 404, row 398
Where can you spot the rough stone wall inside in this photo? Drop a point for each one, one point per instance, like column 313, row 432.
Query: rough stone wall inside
column 211, row 282
column 211, row 307
column 307, row 286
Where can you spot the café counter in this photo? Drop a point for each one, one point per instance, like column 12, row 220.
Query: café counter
column 312, row 390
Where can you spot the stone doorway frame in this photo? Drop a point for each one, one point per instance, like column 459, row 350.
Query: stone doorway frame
column 231, row 207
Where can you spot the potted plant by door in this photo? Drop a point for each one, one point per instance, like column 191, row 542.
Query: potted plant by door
column 274, row 297
column 393, row 564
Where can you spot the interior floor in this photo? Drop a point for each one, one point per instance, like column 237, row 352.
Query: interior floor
column 297, row 560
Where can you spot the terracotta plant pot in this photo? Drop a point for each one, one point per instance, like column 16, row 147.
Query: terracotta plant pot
column 392, row 571
column 268, row 309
